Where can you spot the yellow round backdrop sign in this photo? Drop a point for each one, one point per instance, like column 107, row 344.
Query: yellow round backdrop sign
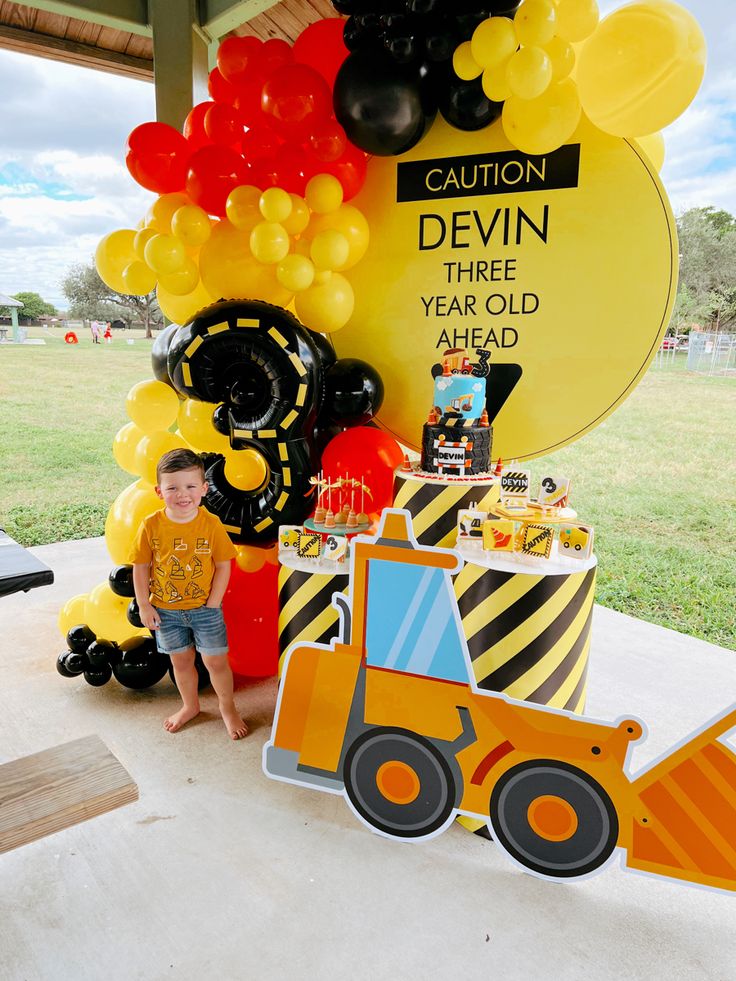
column 563, row 266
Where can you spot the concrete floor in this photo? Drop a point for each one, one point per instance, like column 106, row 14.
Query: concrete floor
column 219, row 872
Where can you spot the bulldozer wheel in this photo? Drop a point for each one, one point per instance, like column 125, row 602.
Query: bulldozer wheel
column 553, row 818
column 399, row 783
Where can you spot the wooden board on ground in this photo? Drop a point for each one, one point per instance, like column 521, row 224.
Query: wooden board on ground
column 59, row 787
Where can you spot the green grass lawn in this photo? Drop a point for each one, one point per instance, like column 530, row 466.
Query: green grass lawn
column 656, row 479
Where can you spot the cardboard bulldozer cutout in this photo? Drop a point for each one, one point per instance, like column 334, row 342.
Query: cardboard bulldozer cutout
column 390, row 716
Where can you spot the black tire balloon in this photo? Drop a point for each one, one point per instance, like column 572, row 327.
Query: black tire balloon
column 160, row 352
column 134, row 614
column 97, row 677
column 99, row 654
column 61, row 666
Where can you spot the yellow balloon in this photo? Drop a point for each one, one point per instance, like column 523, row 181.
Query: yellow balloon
column 324, row 194
column 195, row 425
column 298, row 217
column 576, row 19
column 275, row 204
column 192, row 225
column 330, row 249
column 542, row 125
column 250, row 558
column 182, row 309
column 534, row 22
column 351, row 223
column 152, row 405
column 246, row 470
column 642, row 68
column 653, row 147
column 165, row 254
column 242, row 207
column 124, row 447
column 493, row 42
column 269, row 242
column 562, row 56
column 150, row 450
column 139, row 279
column 326, row 307
column 72, row 613
column 163, row 209
column 114, row 252
column 140, row 241
column 295, row 273
column 129, row 508
column 529, row 72
column 184, row 280
column 105, row 614
column 229, row 270
column 464, row 64
column 494, row 83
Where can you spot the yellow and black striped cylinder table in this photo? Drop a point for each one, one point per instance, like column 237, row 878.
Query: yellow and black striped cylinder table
column 527, row 629
column 306, row 612
column 434, row 502
column 528, row 626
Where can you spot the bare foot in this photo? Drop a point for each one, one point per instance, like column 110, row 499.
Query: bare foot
column 175, row 722
column 234, row 724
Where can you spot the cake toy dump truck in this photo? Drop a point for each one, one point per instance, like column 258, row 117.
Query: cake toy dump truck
column 390, row 716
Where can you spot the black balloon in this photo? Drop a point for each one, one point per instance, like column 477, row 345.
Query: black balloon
column 353, row 392
column 121, row 580
column 134, row 614
column 379, row 104
column 140, row 665
column 97, row 677
column 79, row 638
column 99, row 654
column 76, row 661
column 221, row 419
column 465, row 105
column 160, row 351
column 349, row 7
column 63, row 668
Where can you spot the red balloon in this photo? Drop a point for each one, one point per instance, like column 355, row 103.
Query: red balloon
column 294, row 98
column 222, row 125
column 157, row 156
column 350, row 169
column 294, row 169
column 321, row 47
column 368, row 455
column 248, row 104
column 193, row 128
column 213, row 172
column 238, row 58
column 276, row 53
column 327, row 140
column 251, row 610
column 220, row 89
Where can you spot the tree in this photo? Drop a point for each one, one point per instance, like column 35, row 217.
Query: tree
column 91, row 299
column 707, row 288
column 33, row 307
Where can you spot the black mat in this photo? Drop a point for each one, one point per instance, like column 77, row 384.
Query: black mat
column 19, row 570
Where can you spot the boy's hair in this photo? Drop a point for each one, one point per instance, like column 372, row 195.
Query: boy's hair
column 176, row 460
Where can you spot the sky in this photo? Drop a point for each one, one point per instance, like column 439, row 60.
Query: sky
column 63, row 181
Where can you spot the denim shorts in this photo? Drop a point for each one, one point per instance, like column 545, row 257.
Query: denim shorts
column 202, row 628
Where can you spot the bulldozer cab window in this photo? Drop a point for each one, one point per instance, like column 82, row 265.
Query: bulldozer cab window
column 411, row 622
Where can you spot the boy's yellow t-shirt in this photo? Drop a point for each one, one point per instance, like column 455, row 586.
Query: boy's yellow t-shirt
column 182, row 557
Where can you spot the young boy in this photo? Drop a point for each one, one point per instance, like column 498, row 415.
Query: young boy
column 181, row 566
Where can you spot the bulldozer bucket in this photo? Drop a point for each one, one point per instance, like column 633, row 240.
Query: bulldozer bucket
column 684, row 825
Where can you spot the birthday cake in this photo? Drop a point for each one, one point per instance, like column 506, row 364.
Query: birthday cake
column 457, row 437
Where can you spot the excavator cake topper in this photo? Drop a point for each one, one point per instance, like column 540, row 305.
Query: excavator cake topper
column 390, row 716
